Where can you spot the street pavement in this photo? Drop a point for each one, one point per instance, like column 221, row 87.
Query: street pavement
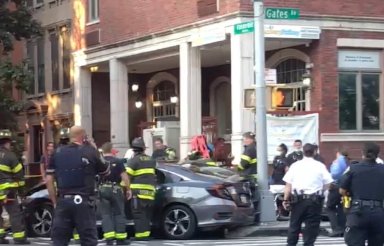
column 249, row 241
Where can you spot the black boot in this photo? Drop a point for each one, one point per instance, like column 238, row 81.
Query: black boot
column 123, row 242
column 4, row 241
column 21, row 241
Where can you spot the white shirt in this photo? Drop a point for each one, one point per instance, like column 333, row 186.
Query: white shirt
column 379, row 160
column 308, row 175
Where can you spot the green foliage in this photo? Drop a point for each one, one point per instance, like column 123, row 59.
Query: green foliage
column 16, row 24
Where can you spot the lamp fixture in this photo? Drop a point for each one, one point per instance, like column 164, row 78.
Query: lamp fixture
column 94, row 69
column 135, row 87
column 174, row 99
column 138, row 104
column 307, row 80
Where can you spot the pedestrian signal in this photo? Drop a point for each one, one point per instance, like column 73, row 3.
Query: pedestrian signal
column 282, row 98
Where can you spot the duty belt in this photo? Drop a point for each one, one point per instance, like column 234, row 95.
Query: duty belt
column 308, row 197
column 367, row 203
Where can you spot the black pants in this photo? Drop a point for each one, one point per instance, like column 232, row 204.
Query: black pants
column 113, row 214
column 68, row 216
column 142, row 210
column 16, row 217
column 309, row 212
column 365, row 225
column 335, row 210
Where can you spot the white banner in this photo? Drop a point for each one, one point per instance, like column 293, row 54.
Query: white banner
column 287, row 129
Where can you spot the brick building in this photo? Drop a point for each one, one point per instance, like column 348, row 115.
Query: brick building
column 179, row 63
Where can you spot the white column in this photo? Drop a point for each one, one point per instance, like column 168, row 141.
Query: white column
column 83, row 98
column 119, row 105
column 190, row 95
column 242, row 77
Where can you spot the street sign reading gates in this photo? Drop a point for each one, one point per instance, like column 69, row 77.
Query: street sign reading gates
column 245, row 27
column 282, row 13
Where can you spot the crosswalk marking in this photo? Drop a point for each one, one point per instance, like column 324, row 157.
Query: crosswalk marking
column 250, row 241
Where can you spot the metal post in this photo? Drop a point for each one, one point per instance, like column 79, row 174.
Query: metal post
column 266, row 197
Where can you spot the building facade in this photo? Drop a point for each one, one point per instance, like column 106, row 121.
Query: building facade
column 49, row 101
column 182, row 64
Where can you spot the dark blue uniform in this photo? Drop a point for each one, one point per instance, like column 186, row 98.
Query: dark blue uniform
column 75, row 168
column 112, row 202
column 365, row 218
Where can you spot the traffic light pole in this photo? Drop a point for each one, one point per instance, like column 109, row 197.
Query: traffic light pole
column 266, row 198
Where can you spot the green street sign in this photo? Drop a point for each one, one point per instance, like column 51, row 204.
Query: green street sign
column 282, row 13
column 245, row 27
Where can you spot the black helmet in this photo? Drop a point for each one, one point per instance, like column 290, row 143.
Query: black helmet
column 5, row 134
column 138, row 143
column 64, row 133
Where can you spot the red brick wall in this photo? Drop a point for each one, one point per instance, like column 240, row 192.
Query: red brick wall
column 367, row 8
column 128, row 19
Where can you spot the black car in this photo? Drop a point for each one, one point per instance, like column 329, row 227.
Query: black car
column 205, row 198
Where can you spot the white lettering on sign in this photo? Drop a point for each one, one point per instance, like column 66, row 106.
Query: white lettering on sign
column 359, row 59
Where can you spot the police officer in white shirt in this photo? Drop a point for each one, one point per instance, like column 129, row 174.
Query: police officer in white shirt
column 306, row 181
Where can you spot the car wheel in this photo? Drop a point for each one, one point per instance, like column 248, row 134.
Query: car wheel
column 40, row 220
column 178, row 222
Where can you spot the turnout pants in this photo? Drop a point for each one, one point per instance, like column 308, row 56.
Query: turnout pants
column 309, row 212
column 16, row 217
column 142, row 210
column 70, row 215
column 113, row 215
column 365, row 224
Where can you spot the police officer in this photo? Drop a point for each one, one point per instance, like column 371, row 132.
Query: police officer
column 112, row 200
column 248, row 160
column 74, row 167
column 141, row 169
column 306, row 181
column 364, row 183
column 11, row 178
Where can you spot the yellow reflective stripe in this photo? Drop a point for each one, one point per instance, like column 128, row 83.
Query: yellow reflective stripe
column 146, row 197
column 122, row 184
column 143, row 187
column 2, row 231
column 211, row 163
column 21, row 183
column 121, row 235
column 5, row 186
column 5, row 168
column 253, row 161
column 18, row 168
column 3, row 197
column 109, row 235
column 240, row 167
column 143, row 234
column 144, row 171
column 18, row 234
column 246, row 158
column 76, row 236
column 130, row 171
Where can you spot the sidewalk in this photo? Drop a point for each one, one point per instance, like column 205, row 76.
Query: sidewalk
column 278, row 228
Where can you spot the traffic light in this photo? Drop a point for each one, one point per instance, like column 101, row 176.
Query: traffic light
column 282, row 98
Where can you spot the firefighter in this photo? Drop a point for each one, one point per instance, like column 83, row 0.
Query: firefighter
column 162, row 151
column 112, row 201
column 248, row 161
column 141, row 169
column 11, row 178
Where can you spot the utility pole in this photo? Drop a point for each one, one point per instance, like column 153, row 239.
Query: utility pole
column 267, row 210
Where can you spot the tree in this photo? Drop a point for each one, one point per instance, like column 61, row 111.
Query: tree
column 16, row 24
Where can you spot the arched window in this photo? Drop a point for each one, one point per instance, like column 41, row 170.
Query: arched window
column 163, row 91
column 163, row 107
column 290, row 71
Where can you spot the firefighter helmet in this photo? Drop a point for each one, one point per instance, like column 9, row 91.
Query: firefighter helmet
column 64, row 133
column 138, row 143
column 5, row 134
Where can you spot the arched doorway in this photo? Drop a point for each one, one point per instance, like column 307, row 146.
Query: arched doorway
column 220, row 105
